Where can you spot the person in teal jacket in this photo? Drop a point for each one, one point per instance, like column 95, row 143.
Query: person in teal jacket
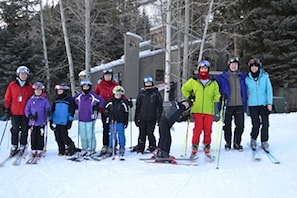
column 205, row 92
column 260, row 96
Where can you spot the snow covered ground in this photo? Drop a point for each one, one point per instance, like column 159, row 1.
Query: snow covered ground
column 238, row 175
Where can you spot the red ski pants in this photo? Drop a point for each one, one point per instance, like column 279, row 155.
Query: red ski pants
column 202, row 122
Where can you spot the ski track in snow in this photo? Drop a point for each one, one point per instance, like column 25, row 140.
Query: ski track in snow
column 238, row 175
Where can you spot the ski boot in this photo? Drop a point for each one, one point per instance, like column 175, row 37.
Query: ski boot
column 194, row 152
column 265, row 146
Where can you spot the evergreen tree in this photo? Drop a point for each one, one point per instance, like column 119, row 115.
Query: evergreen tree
column 272, row 26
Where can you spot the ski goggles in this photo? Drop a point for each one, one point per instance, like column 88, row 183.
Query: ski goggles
column 255, row 62
column 62, row 87
column 107, row 71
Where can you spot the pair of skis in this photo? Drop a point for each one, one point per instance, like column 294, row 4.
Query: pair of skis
column 171, row 160
column 270, row 156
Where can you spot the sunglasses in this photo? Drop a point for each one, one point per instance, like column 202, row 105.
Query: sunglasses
column 63, row 87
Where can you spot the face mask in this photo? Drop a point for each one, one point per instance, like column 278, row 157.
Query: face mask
column 203, row 75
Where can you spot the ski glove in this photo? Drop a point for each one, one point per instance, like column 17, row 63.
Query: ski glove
column 52, row 126
column 7, row 113
column 69, row 124
column 137, row 122
column 223, row 97
column 130, row 103
column 33, row 117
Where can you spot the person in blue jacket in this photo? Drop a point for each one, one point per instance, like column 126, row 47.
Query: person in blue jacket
column 37, row 110
column 88, row 105
column 63, row 110
column 260, row 97
column 233, row 89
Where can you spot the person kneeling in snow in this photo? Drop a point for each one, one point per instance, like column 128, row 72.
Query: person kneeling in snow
column 173, row 111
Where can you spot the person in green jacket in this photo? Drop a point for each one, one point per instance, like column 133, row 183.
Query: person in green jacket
column 205, row 92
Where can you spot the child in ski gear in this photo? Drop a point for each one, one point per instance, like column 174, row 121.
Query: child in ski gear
column 16, row 96
column 205, row 91
column 104, row 89
column 116, row 111
column 232, row 86
column 172, row 112
column 260, row 96
column 88, row 105
column 149, row 107
column 37, row 110
column 63, row 110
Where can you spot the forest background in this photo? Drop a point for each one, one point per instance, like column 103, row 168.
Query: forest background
column 265, row 29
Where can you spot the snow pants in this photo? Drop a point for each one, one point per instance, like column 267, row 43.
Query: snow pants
column 202, row 122
column 105, row 125
column 237, row 113
column 164, row 135
column 37, row 138
column 19, row 130
column 146, row 128
column 259, row 115
column 87, row 135
column 117, row 134
column 62, row 139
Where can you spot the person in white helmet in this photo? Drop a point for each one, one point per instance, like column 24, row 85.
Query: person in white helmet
column 16, row 96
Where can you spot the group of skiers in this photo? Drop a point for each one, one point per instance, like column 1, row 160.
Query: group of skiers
column 28, row 107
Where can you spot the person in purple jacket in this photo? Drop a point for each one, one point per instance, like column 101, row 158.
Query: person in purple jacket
column 233, row 88
column 88, row 105
column 37, row 110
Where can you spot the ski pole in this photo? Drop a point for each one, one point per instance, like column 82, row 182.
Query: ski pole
column 113, row 131
column 223, row 111
column 130, row 124
column 4, row 131
column 184, row 151
column 45, row 138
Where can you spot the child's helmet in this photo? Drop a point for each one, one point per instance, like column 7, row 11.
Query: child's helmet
column 86, row 82
column 38, row 85
column 203, row 63
column 148, row 79
column 118, row 89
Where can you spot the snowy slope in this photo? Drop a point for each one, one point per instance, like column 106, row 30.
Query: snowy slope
column 238, row 175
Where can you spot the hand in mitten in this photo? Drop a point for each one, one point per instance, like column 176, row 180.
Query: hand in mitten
column 69, row 124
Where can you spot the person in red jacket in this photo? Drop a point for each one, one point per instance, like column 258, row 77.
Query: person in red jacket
column 104, row 89
column 16, row 96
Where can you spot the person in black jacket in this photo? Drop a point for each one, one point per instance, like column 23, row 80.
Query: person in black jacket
column 149, row 107
column 117, row 110
column 174, row 111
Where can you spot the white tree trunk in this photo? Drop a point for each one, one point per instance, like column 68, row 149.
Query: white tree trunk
column 88, row 39
column 68, row 51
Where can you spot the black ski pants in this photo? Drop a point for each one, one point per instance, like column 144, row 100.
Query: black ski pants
column 236, row 113
column 62, row 139
column 146, row 128
column 105, row 125
column 164, row 135
column 37, row 138
column 259, row 116
column 19, row 130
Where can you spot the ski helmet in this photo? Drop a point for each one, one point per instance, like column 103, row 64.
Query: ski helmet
column 118, row 89
column 22, row 69
column 148, row 79
column 203, row 63
column 233, row 60
column 107, row 71
column 255, row 61
column 38, row 85
column 86, row 82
